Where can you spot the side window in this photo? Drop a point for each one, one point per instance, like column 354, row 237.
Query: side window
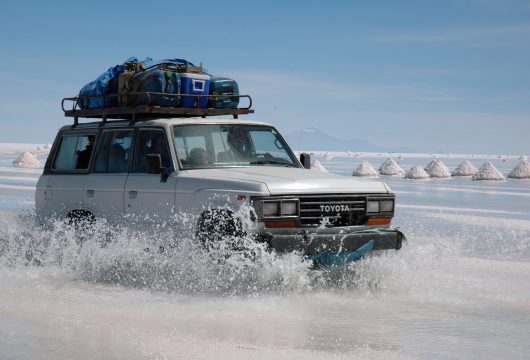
column 114, row 152
column 151, row 142
column 74, row 152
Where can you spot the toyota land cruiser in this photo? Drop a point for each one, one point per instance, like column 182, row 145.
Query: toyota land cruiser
column 154, row 169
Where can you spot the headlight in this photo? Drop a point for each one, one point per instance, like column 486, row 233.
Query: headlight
column 277, row 208
column 271, row 208
column 387, row 205
column 372, row 206
column 289, row 208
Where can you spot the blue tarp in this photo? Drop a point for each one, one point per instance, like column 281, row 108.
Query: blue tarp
column 92, row 95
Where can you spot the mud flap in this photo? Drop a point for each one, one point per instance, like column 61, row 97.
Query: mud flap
column 329, row 260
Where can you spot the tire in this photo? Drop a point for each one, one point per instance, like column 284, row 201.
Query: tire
column 220, row 230
column 82, row 222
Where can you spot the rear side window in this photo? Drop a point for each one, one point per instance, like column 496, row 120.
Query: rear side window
column 114, row 152
column 74, row 152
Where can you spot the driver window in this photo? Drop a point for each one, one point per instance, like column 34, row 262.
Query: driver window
column 152, row 141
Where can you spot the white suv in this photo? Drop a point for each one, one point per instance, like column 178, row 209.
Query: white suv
column 215, row 170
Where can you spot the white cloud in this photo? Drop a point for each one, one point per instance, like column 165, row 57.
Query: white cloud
column 504, row 33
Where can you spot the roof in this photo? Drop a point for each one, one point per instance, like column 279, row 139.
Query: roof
column 163, row 122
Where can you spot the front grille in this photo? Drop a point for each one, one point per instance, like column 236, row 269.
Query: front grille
column 332, row 210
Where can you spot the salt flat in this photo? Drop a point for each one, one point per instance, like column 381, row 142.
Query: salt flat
column 458, row 289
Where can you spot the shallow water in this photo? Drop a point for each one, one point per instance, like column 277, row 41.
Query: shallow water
column 458, row 289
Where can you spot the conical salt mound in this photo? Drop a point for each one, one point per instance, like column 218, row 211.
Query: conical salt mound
column 26, row 160
column 488, row 172
column 521, row 171
column 390, row 167
column 316, row 165
column 365, row 169
column 523, row 158
column 437, row 169
column 416, row 172
column 466, row 168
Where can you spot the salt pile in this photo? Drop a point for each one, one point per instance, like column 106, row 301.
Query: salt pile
column 390, row 167
column 26, row 160
column 416, row 172
column 365, row 169
column 316, row 165
column 488, row 172
column 521, row 171
column 437, row 169
column 523, row 158
column 466, row 168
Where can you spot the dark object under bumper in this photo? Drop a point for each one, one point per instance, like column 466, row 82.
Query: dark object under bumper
column 331, row 240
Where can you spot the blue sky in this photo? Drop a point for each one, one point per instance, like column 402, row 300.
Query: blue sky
column 450, row 75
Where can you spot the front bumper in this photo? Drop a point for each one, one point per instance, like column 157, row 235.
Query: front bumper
column 331, row 240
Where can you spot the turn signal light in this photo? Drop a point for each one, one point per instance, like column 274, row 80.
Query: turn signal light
column 379, row 221
column 277, row 224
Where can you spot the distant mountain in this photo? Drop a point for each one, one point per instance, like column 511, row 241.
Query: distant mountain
column 315, row 139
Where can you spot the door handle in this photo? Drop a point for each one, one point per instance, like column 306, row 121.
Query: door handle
column 90, row 193
column 133, row 194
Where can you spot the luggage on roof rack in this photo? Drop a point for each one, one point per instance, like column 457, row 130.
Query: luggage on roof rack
column 151, row 88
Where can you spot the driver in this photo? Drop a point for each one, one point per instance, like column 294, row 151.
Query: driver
column 239, row 143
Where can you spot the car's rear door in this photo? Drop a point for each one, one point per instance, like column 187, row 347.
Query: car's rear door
column 105, row 185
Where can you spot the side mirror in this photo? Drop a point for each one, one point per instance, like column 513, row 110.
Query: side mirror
column 305, row 159
column 154, row 166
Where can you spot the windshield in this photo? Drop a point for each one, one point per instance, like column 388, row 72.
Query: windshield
column 210, row 146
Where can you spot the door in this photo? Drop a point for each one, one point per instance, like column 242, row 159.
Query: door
column 105, row 185
column 61, row 190
column 148, row 200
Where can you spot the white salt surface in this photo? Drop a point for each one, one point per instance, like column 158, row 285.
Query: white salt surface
column 365, row 169
column 520, row 171
column 416, row 172
column 458, row 289
column 390, row 167
column 26, row 160
column 437, row 169
column 466, row 168
column 316, row 165
column 488, row 172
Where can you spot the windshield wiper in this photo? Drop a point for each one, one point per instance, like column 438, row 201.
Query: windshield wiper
column 274, row 162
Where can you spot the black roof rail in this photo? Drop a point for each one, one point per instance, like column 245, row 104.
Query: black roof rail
column 72, row 108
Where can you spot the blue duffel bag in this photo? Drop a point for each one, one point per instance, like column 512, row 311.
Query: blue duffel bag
column 162, row 81
column 102, row 91
column 223, row 86
column 94, row 94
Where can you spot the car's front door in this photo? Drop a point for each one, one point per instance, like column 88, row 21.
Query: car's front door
column 148, row 200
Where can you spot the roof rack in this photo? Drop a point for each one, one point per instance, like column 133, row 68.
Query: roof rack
column 72, row 107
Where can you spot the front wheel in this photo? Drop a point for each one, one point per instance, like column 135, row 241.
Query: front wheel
column 220, row 230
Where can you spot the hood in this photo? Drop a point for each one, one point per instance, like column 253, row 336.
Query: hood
column 285, row 180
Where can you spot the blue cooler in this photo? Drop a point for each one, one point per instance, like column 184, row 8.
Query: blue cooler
column 194, row 84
